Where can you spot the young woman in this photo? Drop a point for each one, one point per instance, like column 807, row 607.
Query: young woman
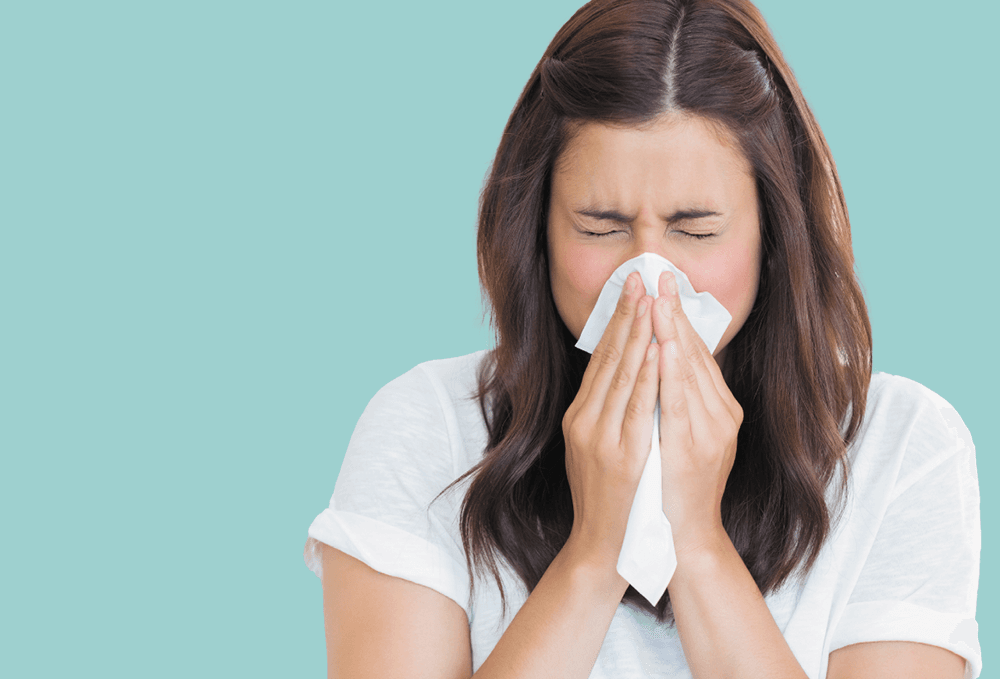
column 825, row 519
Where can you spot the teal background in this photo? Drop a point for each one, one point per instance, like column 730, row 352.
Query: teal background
column 225, row 225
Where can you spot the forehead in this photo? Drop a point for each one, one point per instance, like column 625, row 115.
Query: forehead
column 677, row 156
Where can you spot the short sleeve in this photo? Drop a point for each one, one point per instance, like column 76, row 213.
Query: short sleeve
column 921, row 577
column 398, row 460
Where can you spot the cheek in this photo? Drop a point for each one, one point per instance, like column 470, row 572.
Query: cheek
column 578, row 274
column 732, row 279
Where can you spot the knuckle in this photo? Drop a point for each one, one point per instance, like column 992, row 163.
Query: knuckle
column 567, row 420
column 609, row 355
column 733, row 407
column 635, row 409
column 637, row 330
column 573, row 408
column 595, row 355
column 669, row 333
column 678, row 406
column 621, row 378
column 689, row 378
column 647, row 373
column 693, row 352
column 576, row 431
column 623, row 308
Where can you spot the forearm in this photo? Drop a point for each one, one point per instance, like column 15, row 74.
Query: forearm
column 724, row 625
column 559, row 630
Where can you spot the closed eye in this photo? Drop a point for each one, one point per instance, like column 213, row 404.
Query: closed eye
column 683, row 233
column 601, row 233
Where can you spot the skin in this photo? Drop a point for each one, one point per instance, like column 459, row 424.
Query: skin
column 380, row 626
column 679, row 163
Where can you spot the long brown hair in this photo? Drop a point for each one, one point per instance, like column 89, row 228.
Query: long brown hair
column 799, row 367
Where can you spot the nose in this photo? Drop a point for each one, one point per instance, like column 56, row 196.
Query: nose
column 652, row 235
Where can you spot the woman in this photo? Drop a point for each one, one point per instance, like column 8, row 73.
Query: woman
column 825, row 519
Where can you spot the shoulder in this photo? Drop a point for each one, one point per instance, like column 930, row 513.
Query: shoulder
column 913, row 451
column 440, row 386
column 445, row 381
column 910, row 426
column 454, row 379
column 428, row 418
column 409, row 440
column 901, row 394
column 915, row 422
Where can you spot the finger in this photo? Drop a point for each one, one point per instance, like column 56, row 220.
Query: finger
column 725, row 402
column 608, row 352
column 694, row 349
column 676, row 367
column 675, row 424
column 637, row 422
column 716, row 395
column 710, row 400
column 624, row 380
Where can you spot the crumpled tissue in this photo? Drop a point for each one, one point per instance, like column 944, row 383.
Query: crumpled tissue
column 647, row 559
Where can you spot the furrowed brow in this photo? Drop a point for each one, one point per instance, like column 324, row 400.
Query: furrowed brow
column 689, row 215
column 606, row 215
column 620, row 218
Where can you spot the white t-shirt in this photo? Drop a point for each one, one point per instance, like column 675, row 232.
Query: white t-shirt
column 901, row 564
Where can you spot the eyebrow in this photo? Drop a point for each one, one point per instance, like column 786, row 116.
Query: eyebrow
column 618, row 217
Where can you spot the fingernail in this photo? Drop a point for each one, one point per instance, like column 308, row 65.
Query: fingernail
column 651, row 352
column 672, row 284
column 642, row 308
column 629, row 286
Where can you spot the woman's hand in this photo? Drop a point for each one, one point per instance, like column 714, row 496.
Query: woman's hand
column 699, row 421
column 608, row 428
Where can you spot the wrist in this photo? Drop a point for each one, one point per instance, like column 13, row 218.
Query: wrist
column 596, row 571
column 705, row 551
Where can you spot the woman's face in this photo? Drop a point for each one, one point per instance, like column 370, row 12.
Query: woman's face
column 618, row 192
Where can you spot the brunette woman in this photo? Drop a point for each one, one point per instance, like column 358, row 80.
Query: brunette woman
column 825, row 519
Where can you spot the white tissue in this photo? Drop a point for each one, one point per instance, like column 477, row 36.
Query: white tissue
column 647, row 559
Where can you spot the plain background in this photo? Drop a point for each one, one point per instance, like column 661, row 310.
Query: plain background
column 225, row 225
